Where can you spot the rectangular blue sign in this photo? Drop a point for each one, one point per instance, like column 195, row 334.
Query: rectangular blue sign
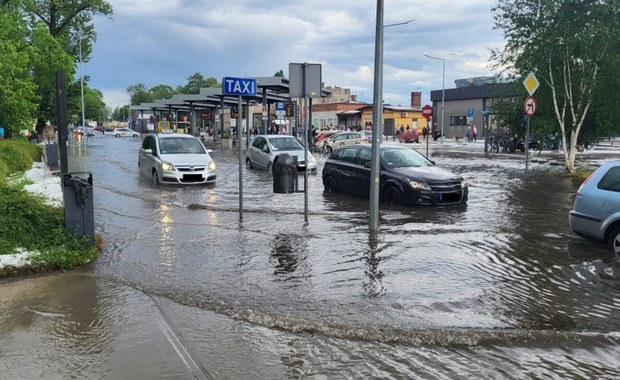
column 239, row 86
column 280, row 106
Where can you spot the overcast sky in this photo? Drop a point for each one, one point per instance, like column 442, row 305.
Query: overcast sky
column 164, row 42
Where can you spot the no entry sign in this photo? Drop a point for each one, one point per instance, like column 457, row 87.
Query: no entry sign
column 427, row 111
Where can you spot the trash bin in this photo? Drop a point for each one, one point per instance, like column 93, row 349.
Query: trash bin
column 284, row 171
column 78, row 197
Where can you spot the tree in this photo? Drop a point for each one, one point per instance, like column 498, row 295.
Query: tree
column 17, row 89
column 564, row 42
column 57, row 28
column 139, row 93
column 162, row 91
column 279, row 74
column 195, row 82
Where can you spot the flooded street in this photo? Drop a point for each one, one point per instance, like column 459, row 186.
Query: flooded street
column 499, row 288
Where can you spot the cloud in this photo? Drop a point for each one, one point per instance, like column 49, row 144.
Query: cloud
column 166, row 42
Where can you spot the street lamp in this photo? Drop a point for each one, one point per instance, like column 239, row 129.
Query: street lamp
column 82, row 86
column 377, row 118
column 443, row 89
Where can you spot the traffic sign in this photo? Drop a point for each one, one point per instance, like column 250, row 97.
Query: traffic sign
column 531, row 83
column 239, row 86
column 470, row 112
column 427, row 111
column 530, row 105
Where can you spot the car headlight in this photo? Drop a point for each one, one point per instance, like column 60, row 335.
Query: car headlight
column 416, row 185
column 211, row 165
column 167, row 166
column 312, row 160
column 464, row 183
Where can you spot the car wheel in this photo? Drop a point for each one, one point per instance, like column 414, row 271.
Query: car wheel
column 614, row 240
column 117, row 135
column 248, row 163
column 155, row 178
column 393, row 196
column 329, row 183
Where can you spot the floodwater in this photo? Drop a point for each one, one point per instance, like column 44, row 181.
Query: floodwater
column 184, row 289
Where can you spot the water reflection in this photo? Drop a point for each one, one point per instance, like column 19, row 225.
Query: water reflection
column 372, row 286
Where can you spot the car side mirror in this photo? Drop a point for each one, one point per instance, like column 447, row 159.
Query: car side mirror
column 368, row 164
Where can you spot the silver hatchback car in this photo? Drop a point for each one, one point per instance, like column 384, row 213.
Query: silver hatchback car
column 176, row 158
column 596, row 211
column 265, row 148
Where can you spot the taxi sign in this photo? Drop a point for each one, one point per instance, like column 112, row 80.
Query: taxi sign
column 531, row 83
column 239, row 86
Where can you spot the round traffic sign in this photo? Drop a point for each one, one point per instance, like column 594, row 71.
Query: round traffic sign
column 427, row 111
column 530, row 105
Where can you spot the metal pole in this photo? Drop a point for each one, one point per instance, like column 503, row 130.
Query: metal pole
column 443, row 90
column 306, row 129
column 377, row 117
column 443, row 95
column 239, row 109
column 527, row 142
column 82, row 87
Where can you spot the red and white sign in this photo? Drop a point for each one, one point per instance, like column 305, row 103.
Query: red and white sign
column 530, row 106
column 427, row 111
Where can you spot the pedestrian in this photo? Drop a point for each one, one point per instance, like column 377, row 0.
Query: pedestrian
column 1, row 132
column 475, row 133
column 468, row 134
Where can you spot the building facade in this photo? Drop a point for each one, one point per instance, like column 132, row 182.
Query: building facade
column 470, row 103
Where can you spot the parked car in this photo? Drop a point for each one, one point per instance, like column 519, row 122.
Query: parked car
column 407, row 177
column 342, row 139
column 410, row 135
column 596, row 210
column 124, row 132
column 265, row 148
column 323, row 134
column 176, row 158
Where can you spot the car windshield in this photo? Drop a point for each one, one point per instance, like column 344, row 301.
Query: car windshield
column 400, row 158
column 288, row 143
column 180, row 145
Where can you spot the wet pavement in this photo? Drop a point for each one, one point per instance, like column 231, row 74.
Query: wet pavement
column 499, row 288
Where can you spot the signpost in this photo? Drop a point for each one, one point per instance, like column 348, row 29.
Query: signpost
column 530, row 105
column 239, row 87
column 427, row 112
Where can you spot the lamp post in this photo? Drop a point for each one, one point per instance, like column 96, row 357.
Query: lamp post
column 443, row 89
column 377, row 118
column 82, row 87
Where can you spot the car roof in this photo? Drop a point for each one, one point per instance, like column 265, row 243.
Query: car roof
column 369, row 145
column 173, row 135
column 275, row 136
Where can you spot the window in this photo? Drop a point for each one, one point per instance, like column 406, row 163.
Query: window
column 365, row 156
column 611, row 180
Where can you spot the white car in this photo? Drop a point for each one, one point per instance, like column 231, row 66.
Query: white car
column 175, row 158
column 265, row 148
column 124, row 132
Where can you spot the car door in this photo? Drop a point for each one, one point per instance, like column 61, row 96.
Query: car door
column 145, row 158
column 361, row 172
column 346, row 170
column 255, row 149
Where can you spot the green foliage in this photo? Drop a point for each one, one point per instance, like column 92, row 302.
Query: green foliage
column 570, row 45
column 17, row 90
column 27, row 222
column 195, row 82
column 226, row 133
column 17, row 155
column 162, row 91
column 139, row 93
